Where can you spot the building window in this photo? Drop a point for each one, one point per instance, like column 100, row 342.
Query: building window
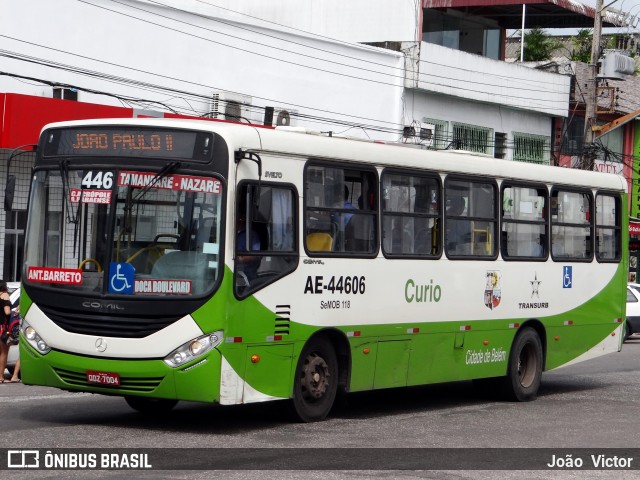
column 14, row 245
column 472, row 138
column 500, row 147
column 441, row 133
column 573, row 136
column 531, row 148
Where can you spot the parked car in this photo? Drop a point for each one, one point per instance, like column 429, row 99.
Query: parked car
column 14, row 351
column 632, row 325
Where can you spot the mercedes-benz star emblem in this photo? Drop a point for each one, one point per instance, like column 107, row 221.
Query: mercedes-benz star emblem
column 101, row 344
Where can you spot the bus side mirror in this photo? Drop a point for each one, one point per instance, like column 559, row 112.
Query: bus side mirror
column 9, row 192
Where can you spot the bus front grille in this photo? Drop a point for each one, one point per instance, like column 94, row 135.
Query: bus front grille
column 131, row 384
column 107, row 325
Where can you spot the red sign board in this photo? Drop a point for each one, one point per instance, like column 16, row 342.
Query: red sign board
column 64, row 276
column 23, row 116
column 634, row 228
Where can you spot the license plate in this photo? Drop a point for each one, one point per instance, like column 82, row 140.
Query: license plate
column 109, row 379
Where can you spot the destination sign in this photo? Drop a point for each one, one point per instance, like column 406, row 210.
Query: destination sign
column 129, row 142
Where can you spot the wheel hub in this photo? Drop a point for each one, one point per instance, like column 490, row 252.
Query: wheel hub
column 315, row 377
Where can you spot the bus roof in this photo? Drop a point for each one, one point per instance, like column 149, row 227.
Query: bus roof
column 316, row 145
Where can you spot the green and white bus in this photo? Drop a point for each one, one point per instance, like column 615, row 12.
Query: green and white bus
column 171, row 260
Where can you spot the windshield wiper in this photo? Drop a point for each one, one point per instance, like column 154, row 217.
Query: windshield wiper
column 66, row 193
column 166, row 170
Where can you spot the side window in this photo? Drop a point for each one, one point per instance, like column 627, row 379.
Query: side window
column 265, row 236
column 341, row 211
column 571, row 228
column 411, row 219
column 470, row 218
column 608, row 228
column 524, row 222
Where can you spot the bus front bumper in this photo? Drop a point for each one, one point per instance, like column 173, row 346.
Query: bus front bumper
column 198, row 380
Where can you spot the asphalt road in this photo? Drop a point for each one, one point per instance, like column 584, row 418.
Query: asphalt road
column 593, row 405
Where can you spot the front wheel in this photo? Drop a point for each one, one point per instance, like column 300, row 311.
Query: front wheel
column 524, row 371
column 316, row 381
column 150, row 406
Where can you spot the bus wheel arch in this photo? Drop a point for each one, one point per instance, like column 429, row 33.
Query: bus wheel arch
column 320, row 370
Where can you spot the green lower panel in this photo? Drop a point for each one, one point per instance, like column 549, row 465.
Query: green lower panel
column 198, row 381
column 392, row 363
column 269, row 369
column 363, row 364
column 565, row 343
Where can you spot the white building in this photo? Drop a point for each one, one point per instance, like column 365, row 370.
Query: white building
column 183, row 55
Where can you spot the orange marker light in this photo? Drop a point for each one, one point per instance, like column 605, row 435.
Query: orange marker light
column 366, row 351
column 255, row 358
column 556, row 338
column 486, row 342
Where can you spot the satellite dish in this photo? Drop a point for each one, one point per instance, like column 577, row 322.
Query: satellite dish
column 284, row 119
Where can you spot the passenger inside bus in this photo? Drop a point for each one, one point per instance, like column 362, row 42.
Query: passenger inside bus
column 246, row 265
column 458, row 234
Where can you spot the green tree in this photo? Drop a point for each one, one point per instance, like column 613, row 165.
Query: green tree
column 538, row 46
column 582, row 46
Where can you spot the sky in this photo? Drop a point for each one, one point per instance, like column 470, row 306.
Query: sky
column 632, row 7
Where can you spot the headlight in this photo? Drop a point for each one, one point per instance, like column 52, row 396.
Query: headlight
column 193, row 349
column 32, row 337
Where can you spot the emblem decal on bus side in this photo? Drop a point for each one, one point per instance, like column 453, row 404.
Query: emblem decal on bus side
column 535, row 291
column 492, row 289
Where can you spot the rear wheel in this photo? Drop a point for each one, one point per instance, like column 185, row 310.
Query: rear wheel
column 151, row 405
column 627, row 331
column 316, row 381
column 524, row 371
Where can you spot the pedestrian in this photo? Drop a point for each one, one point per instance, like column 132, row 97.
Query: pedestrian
column 5, row 305
column 15, row 378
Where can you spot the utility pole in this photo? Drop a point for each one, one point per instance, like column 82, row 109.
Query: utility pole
column 591, row 105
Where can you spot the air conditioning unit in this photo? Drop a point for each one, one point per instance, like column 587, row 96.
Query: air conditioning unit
column 284, row 117
column 427, row 134
column 230, row 106
column 419, row 133
column 615, row 64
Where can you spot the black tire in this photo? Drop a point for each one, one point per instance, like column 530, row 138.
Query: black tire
column 524, row 370
column 316, row 381
column 627, row 331
column 150, row 406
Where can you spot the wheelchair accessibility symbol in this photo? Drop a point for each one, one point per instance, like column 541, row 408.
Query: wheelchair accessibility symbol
column 121, row 278
column 567, row 277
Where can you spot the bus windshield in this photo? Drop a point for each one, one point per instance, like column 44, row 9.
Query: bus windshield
column 124, row 232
